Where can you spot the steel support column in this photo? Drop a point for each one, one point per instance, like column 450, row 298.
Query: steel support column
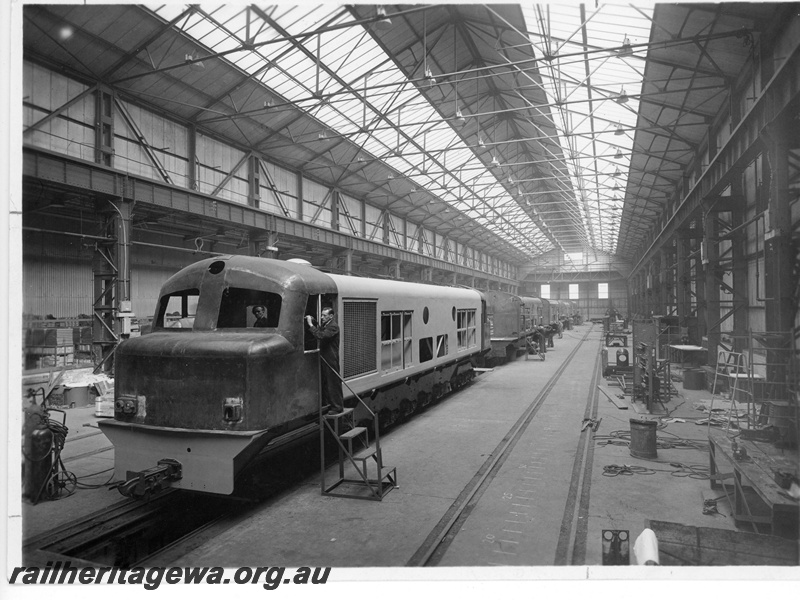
column 682, row 301
column 779, row 280
column 699, row 284
column 712, row 291
column 112, row 275
column 739, row 270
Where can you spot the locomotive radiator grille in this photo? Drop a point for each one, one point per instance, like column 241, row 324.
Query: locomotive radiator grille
column 359, row 326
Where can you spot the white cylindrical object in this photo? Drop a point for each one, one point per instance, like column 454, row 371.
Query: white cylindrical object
column 646, row 548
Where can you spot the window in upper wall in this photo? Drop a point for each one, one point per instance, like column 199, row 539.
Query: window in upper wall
column 602, row 291
column 545, row 292
column 573, row 291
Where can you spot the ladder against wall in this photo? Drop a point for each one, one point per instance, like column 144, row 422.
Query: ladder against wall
column 732, row 377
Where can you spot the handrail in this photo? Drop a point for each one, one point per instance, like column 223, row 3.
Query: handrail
column 364, row 404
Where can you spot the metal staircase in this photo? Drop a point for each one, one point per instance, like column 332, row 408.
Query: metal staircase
column 372, row 479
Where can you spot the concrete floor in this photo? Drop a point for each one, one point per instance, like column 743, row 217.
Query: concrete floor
column 531, row 514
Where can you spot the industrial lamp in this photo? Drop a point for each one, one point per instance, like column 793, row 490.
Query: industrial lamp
column 194, row 63
column 384, row 22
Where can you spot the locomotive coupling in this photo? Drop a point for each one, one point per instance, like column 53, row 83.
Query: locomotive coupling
column 142, row 484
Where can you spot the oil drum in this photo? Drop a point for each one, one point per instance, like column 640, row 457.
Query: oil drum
column 643, row 438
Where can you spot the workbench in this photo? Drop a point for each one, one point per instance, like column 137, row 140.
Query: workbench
column 757, row 498
column 680, row 354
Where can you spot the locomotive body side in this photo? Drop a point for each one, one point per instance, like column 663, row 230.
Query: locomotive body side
column 548, row 311
column 533, row 311
column 405, row 344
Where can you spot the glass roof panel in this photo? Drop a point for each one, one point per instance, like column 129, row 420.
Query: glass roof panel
column 594, row 114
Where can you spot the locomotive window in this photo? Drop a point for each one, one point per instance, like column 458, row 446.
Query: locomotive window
column 177, row 310
column 425, row 349
column 395, row 341
column 237, row 304
column 441, row 345
column 466, row 329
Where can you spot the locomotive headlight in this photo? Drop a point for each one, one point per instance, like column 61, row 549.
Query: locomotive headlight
column 127, row 404
column 232, row 409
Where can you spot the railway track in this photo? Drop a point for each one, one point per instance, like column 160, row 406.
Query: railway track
column 158, row 533
column 435, row 546
column 132, row 533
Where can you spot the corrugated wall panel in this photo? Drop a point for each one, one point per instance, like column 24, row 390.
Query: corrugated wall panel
column 57, row 287
column 316, row 203
column 51, row 91
column 353, row 224
column 215, row 161
column 372, row 217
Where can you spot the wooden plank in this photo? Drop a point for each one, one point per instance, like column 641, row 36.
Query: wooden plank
column 757, row 470
column 680, row 544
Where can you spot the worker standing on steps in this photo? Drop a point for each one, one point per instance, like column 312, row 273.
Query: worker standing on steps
column 328, row 335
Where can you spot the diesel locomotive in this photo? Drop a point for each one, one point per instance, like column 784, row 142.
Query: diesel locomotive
column 205, row 391
column 512, row 321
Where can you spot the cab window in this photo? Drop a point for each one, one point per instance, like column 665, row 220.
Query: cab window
column 177, row 310
column 237, row 304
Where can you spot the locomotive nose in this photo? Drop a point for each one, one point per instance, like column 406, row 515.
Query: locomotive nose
column 204, row 381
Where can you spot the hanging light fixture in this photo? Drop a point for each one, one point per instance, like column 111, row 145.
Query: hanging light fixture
column 480, row 142
column 618, row 154
column 428, row 72
column 495, row 162
column 194, row 63
column 620, row 130
column 626, row 48
column 384, row 22
column 459, row 119
column 429, row 76
column 622, row 97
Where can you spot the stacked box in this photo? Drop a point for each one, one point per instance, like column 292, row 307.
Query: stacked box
column 81, row 335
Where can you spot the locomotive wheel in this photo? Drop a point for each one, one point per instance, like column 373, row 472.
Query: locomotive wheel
column 406, row 408
column 423, row 399
column 61, row 485
column 386, row 418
